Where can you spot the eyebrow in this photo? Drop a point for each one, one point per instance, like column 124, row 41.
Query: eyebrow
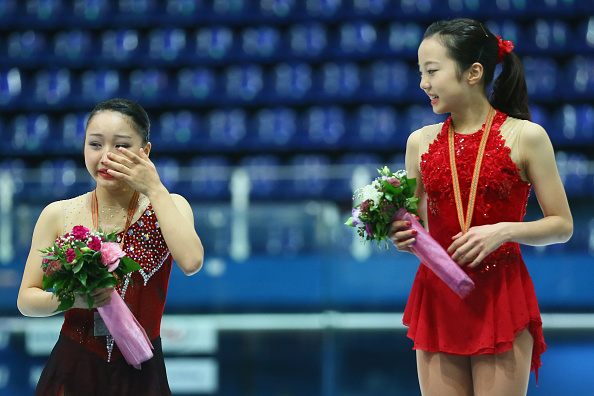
column 117, row 136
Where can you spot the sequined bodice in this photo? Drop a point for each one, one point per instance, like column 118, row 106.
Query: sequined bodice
column 502, row 195
column 144, row 291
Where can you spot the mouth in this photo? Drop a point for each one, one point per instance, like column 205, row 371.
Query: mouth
column 433, row 98
column 103, row 173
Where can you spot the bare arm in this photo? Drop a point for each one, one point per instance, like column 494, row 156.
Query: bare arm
column 400, row 232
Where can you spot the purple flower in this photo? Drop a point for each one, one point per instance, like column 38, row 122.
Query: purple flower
column 94, row 244
column 368, row 229
column 356, row 222
column 70, row 255
column 80, row 233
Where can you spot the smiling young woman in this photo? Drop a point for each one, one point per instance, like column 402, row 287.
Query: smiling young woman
column 474, row 174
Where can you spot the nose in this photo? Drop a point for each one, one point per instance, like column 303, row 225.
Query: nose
column 104, row 158
column 423, row 84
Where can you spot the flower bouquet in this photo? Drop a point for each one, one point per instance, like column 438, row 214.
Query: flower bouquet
column 83, row 260
column 390, row 197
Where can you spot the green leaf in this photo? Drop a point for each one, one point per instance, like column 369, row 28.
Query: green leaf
column 349, row 222
column 128, row 265
column 90, row 301
column 77, row 267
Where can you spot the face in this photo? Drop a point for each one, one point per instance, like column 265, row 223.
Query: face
column 106, row 132
column 438, row 76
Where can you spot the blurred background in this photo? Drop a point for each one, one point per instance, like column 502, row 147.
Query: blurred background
column 266, row 114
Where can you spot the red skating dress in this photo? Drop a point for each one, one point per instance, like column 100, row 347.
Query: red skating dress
column 84, row 364
column 503, row 302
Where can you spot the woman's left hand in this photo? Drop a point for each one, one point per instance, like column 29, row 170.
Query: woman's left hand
column 476, row 244
column 136, row 170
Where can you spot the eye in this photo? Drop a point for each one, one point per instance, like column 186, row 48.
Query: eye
column 122, row 145
column 94, row 144
column 431, row 71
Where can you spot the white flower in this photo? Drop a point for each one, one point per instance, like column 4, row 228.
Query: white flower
column 371, row 192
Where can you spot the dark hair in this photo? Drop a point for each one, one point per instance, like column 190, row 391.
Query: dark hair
column 129, row 108
column 468, row 41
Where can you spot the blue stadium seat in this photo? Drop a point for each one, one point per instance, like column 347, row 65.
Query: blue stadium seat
column 137, row 7
column 573, row 169
column 580, row 78
column 169, row 172
column 339, row 79
column 244, row 82
column 53, row 86
column 214, row 42
column 18, row 171
column 11, row 86
column 29, row 133
column 405, row 38
column 277, row 8
column 27, row 45
column 8, row 10
column 373, row 127
column 45, row 10
column 93, row 10
column 551, row 37
column 262, row 41
column 541, row 117
column 149, row 84
column 357, row 37
column 292, row 80
column 72, row 127
column 264, row 174
column 167, row 44
column 179, row 131
column 59, row 179
column 73, row 45
column 210, row 176
column 227, row 128
column 120, row 45
column 542, row 76
column 198, row 83
column 311, row 176
column 574, row 125
column 275, row 127
column 324, row 8
column 325, row 127
column 374, row 7
column 184, row 8
column 584, row 40
column 391, row 79
column 343, row 184
column 309, row 39
column 99, row 85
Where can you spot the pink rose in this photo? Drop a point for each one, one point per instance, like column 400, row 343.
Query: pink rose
column 111, row 254
column 70, row 255
column 394, row 181
column 95, row 244
column 80, row 233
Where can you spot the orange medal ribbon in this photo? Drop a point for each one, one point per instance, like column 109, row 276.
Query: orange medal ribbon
column 465, row 222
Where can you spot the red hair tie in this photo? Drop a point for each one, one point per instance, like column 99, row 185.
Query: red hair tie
column 505, row 47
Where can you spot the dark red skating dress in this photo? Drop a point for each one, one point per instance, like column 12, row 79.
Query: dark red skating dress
column 503, row 302
column 84, row 364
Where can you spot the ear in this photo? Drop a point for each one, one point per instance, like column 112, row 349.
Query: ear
column 147, row 149
column 475, row 73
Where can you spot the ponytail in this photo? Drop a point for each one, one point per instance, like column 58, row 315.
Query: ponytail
column 510, row 94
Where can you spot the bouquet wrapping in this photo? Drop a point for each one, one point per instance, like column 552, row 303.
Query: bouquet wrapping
column 83, row 260
column 436, row 258
column 391, row 197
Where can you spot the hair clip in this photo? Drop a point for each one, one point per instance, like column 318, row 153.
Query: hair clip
column 505, row 47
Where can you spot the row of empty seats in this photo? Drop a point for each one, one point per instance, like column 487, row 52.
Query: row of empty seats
column 105, row 11
column 311, row 39
column 288, row 83
column 280, row 129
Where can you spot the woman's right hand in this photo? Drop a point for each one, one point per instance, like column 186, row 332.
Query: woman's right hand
column 402, row 235
column 102, row 297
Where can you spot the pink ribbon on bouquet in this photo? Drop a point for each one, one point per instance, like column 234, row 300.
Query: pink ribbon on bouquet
column 432, row 255
column 127, row 333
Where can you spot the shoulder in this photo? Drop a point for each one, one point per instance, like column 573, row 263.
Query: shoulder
column 530, row 131
column 423, row 137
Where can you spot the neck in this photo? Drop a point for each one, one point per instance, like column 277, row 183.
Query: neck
column 119, row 199
column 471, row 118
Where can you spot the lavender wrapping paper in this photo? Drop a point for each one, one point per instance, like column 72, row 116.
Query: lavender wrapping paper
column 128, row 334
column 436, row 258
